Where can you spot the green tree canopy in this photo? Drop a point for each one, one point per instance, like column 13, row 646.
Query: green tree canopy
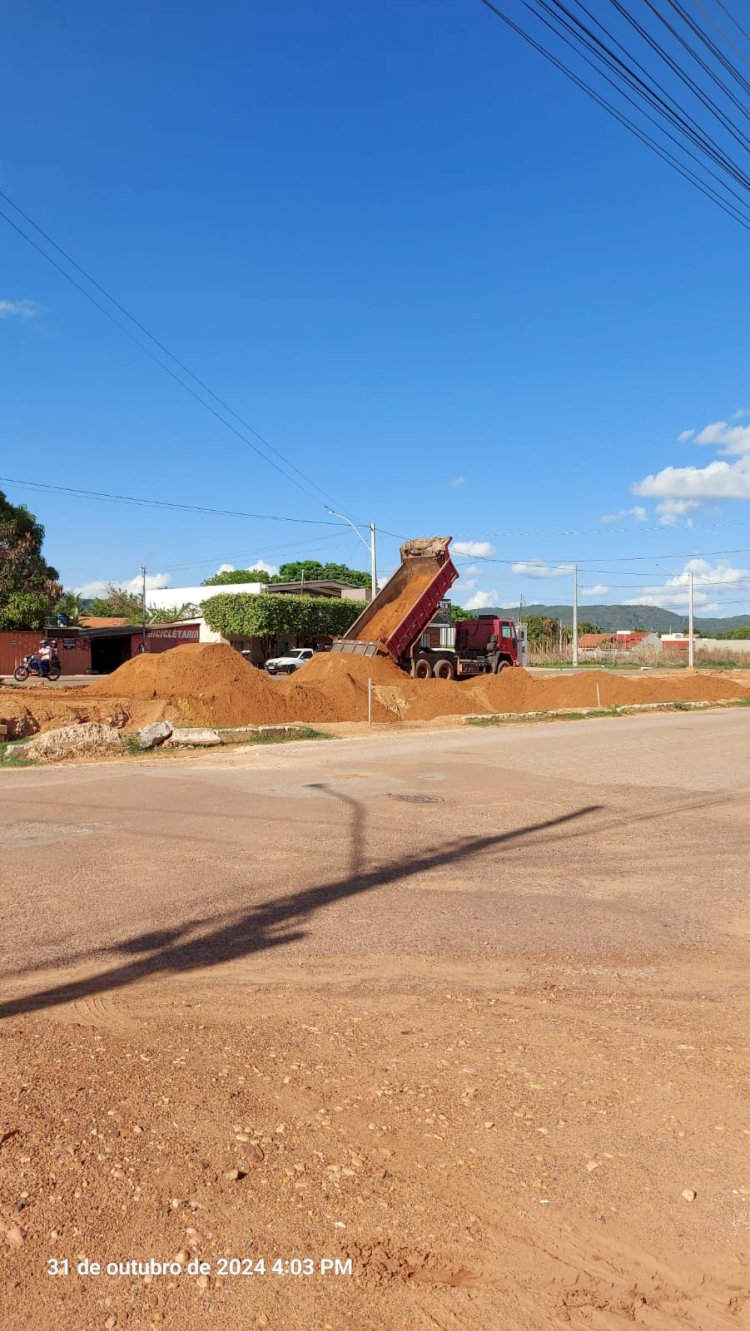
column 242, row 615
column 314, row 571
column 116, row 604
column 69, row 604
column 458, row 613
column 29, row 586
column 237, row 575
column 121, row 604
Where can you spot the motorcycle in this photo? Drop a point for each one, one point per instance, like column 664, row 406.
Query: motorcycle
column 31, row 665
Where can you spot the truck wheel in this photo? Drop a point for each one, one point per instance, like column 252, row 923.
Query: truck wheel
column 422, row 668
column 497, row 666
column 444, row 670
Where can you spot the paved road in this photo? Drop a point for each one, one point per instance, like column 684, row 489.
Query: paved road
column 622, row 837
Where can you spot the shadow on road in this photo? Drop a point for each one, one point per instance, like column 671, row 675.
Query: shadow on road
column 274, row 923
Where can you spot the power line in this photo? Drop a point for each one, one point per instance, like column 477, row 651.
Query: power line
column 142, row 328
column 105, row 497
column 701, row 185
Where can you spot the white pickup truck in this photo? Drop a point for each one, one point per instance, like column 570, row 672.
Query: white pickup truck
column 286, row 665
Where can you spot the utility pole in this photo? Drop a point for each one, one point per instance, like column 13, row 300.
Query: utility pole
column 575, row 614
column 373, row 562
column 143, row 610
column 369, row 545
column 690, row 620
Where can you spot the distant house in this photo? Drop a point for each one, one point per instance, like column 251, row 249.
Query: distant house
column 596, row 642
column 622, row 640
column 676, row 642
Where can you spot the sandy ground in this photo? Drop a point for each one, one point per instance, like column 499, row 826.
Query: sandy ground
column 465, row 1008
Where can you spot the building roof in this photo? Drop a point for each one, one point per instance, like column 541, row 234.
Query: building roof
column 101, row 621
column 595, row 639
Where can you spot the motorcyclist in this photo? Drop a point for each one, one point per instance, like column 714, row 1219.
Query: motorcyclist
column 46, row 653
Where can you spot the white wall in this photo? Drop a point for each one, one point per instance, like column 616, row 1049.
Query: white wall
column 169, row 598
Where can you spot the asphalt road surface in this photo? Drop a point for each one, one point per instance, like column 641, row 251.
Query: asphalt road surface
column 473, row 999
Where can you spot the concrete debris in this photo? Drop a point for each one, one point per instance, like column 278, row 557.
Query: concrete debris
column 152, row 736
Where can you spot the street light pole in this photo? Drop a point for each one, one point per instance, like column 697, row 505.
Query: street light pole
column 575, row 614
column 143, row 609
column 369, row 546
column 691, row 653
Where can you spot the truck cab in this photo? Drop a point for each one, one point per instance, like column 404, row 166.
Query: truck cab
column 488, row 636
column 485, row 645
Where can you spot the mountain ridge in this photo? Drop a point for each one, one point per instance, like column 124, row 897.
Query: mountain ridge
column 611, row 617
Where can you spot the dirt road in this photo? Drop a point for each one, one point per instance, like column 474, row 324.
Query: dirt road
column 467, row 1009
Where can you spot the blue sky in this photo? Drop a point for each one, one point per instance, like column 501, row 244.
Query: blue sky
column 424, row 266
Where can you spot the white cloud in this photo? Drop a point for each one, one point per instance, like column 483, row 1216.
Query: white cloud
column 719, row 480
column 670, row 510
column 636, row 512
column 19, row 309
column 260, row 564
column 536, row 568
column 708, row 580
column 474, row 549
column 481, row 600
column 733, row 440
column 681, row 490
column 597, row 590
column 154, row 582
column 457, row 482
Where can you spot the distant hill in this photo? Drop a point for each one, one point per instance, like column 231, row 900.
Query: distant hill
column 611, row 617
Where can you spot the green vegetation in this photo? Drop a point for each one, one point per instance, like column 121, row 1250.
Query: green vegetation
column 12, row 755
column 230, row 576
column 29, row 586
column 314, row 571
column 243, row 615
column 121, row 604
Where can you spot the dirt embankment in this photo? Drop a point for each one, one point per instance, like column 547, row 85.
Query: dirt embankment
column 212, row 684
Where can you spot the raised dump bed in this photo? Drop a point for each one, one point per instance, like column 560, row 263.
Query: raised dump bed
column 398, row 616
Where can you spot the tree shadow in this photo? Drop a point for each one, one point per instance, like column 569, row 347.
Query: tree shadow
column 273, row 923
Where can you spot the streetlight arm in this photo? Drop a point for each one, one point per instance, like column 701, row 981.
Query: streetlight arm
column 351, row 524
column 369, row 546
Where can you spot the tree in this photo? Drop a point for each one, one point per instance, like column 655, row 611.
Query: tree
column 117, row 603
column 242, row 615
column 29, row 586
column 541, row 631
column 121, row 604
column 69, row 605
column 587, row 627
column 458, row 613
column 237, row 575
column 314, row 571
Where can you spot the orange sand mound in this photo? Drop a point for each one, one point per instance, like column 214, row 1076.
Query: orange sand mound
column 212, row 684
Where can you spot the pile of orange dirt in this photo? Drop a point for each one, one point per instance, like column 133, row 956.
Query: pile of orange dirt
column 212, row 684
column 388, row 616
column 517, row 691
column 204, row 683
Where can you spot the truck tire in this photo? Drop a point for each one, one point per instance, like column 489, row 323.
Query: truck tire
column 422, row 668
column 444, row 669
column 499, row 665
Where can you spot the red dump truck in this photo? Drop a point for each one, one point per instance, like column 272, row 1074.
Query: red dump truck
column 398, row 618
